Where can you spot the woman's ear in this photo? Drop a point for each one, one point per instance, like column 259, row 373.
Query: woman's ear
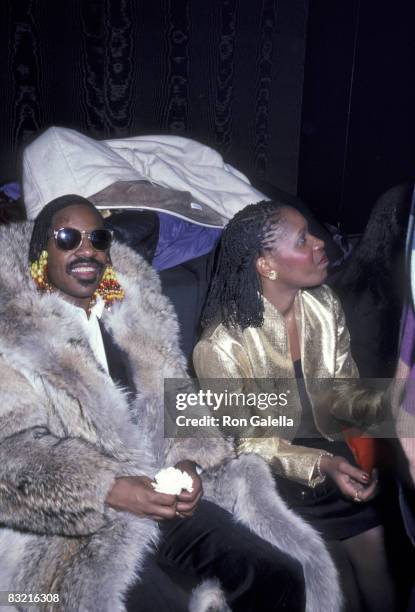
column 263, row 267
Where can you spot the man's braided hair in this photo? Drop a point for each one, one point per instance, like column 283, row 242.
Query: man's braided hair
column 235, row 293
column 43, row 222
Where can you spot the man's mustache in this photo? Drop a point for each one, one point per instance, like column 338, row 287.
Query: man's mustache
column 90, row 261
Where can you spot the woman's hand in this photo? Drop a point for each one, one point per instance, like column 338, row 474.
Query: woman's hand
column 353, row 482
column 187, row 502
column 136, row 494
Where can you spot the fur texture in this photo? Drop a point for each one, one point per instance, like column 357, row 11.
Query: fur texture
column 246, row 488
column 208, row 597
column 66, row 431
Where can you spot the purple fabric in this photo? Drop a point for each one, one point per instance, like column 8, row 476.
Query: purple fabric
column 12, row 190
column 407, row 348
column 408, row 336
column 181, row 240
column 407, row 356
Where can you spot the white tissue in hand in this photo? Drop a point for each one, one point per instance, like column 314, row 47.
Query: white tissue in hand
column 171, row 480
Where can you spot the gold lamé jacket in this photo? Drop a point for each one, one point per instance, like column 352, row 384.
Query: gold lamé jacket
column 263, row 352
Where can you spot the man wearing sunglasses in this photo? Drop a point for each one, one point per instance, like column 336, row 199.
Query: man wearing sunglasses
column 77, row 254
column 86, row 339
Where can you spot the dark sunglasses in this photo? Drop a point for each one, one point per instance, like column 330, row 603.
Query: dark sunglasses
column 69, row 238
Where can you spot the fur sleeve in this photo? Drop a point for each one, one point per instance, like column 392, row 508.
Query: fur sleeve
column 52, row 486
column 48, row 484
column 206, row 452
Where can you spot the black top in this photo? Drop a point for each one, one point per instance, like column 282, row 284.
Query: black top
column 307, row 433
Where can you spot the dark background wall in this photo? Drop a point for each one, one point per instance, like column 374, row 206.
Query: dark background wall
column 358, row 126
column 226, row 72
column 313, row 96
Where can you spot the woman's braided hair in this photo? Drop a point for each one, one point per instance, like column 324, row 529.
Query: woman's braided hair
column 235, row 292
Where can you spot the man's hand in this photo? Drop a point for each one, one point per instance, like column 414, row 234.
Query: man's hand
column 136, row 494
column 187, row 502
column 352, row 481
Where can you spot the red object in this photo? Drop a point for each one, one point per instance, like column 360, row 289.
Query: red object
column 363, row 449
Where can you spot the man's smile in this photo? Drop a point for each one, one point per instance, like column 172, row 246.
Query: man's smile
column 84, row 269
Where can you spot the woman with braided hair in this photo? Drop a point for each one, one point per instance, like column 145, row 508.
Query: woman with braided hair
column 269, row 315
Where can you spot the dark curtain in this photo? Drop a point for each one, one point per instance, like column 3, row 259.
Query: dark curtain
column 358, row 128
column 226, row 72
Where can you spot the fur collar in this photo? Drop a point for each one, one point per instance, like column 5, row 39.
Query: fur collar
column 26, row 312
column 40, row 337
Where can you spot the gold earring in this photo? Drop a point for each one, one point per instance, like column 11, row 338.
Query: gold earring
column 39, row 272
column 109, row 288
column 273, row 275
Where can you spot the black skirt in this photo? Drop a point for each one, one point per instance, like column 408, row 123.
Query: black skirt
column 324, row 507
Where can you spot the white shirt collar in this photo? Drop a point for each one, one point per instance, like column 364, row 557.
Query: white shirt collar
column 92, row 329
column 98, row 308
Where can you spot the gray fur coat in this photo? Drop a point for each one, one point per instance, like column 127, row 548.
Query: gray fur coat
column 66, row 431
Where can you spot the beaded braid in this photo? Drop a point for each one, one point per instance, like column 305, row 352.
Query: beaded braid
column 235, row 292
